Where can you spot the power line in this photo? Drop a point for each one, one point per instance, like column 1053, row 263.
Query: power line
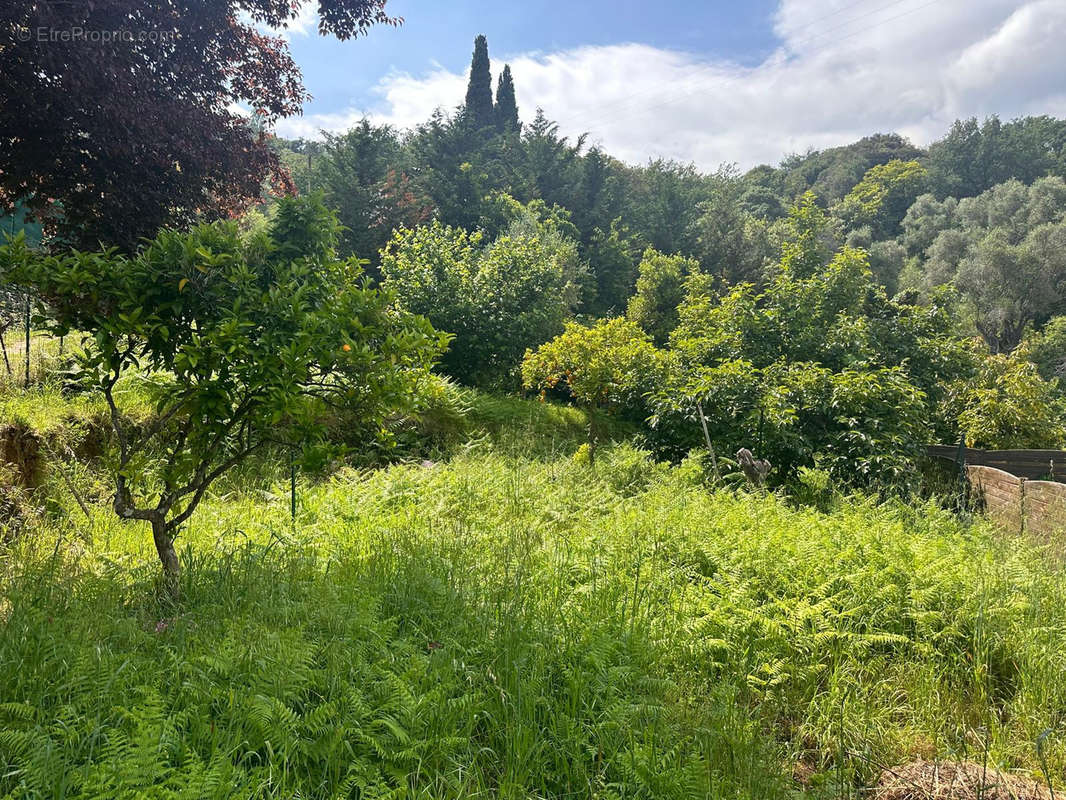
column 832, row 14
column 827, row 31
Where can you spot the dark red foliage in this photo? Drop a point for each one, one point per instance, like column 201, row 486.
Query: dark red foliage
column 399, row 206
column 118, row 115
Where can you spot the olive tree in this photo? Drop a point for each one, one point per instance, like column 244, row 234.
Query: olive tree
column 246, row 344
column 1004, row 250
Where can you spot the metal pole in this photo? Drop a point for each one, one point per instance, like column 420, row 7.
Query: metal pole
column 27, row 384
column 292, row 487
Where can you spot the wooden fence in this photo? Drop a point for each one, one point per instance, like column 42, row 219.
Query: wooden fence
column 1016, row 499
column 1028, row 464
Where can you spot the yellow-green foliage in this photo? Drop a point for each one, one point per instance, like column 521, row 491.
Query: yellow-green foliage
column 503, row 626
column 1047, row 349
column 660, row 290
column 1008, row 405
column 612, row 364
column 882, row 197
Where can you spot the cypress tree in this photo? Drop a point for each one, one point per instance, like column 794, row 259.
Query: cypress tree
column 506, row 105
column 479, row 91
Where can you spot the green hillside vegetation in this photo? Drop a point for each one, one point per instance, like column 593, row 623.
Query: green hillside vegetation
column 510, row 618
column 469, row 461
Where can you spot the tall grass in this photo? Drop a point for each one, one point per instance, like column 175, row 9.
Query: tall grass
column 46, row 352
column 513, row 624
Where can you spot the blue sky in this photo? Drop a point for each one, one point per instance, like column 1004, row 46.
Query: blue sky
column 710, row 83
column 340, row 74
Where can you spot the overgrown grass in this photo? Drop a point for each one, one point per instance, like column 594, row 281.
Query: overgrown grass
column 46, row 353
column 513, row 623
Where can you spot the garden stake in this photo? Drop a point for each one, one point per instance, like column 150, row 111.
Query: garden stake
column 292, row 488
column 707, row 436
column 27, row 382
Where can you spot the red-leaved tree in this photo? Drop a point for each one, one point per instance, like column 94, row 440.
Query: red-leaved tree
column 120, row 116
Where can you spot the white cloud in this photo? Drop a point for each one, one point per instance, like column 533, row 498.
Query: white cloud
column 304, row 23
column 405, row 102
column 843, row 69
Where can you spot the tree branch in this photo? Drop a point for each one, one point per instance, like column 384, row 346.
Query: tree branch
column 207, row 480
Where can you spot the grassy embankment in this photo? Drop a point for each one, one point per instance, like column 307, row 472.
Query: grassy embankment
column 508, row 621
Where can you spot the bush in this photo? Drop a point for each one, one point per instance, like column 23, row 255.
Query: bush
column 660, row 290
column 862, row 427
column 1047, row 349
column 611, row 365
column 497, row 300
column 818, row 368
column 1008, row 405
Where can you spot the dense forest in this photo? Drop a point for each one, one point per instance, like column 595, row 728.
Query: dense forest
column 881, row 193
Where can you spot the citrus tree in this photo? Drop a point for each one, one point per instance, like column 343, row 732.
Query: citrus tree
column 611, row 366
column 246, row 344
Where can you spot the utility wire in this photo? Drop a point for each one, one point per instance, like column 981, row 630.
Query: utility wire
column 832, row 14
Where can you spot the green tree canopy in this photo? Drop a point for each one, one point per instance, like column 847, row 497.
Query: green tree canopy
column 506, row 110
column 973, row 158
column 1047, row 349
column 478, row 106
column 497, row 299
column 881, row 199
column 660, row 290
column 357, row 175
column 1005, row 250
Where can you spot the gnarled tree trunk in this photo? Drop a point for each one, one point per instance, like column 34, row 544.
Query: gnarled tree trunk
column 162, row 535
column 168, row 556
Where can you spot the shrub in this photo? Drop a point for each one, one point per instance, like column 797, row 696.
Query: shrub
column 1008, row 405
column 1047, row 349
column 862, row 427
column 611, row 365
column 497, row 300
column 660, row 290
column 819, row 367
